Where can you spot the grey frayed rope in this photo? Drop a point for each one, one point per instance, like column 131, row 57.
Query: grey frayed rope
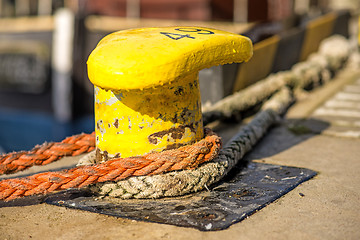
column 318, row 69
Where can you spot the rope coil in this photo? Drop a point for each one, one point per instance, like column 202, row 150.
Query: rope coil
column 188, row 181
column 186, row 157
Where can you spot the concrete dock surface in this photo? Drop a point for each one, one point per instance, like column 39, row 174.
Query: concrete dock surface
column 315, row 134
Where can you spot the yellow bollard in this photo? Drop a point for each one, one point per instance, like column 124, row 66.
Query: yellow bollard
column 147, row 94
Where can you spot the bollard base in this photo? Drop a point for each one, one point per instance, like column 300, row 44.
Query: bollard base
column 232, row 200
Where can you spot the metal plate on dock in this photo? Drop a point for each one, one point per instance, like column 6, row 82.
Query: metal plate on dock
column 238, row 196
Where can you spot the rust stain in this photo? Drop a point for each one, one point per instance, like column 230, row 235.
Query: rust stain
column 179, row 91
column 130, row 124
column 175, row 145
column 175, row 133
column 183, row 116
column 116, row 123
column 101, row 156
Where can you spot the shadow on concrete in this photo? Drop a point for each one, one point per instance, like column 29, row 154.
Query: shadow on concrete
column 286, row 135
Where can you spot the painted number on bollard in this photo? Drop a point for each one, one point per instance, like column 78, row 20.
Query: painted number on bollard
column 177, row 36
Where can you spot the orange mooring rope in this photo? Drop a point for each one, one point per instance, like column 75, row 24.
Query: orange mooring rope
column 186, row 157
column 47, row 153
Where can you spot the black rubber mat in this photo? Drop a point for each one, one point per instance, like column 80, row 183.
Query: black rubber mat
column 237, row 197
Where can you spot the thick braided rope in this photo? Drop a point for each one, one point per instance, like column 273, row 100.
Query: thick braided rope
column 186, row 157
column 316, row 70
column 47, row 153
column 188, row 181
